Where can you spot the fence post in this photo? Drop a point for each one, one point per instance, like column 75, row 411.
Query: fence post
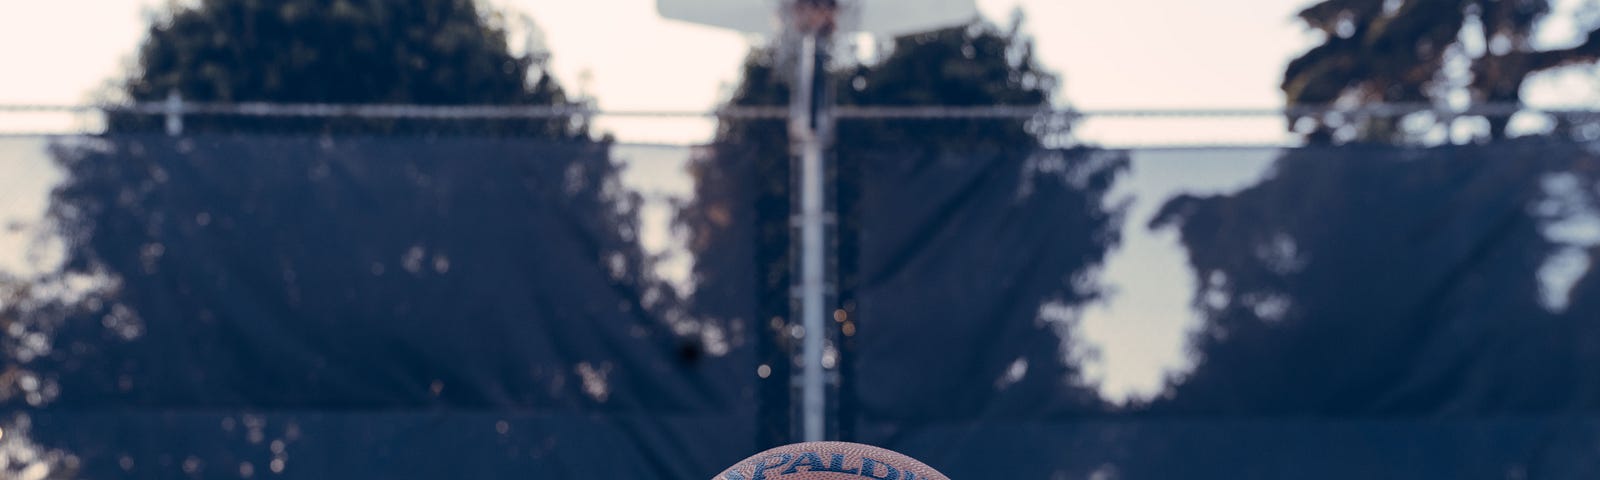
column 809, row 129
column 174, row 113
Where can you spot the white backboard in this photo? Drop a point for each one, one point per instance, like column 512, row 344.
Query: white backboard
column 877, row 17
column 751, row 16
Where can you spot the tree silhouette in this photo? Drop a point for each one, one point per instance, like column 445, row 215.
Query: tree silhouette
column 328, row 265
column 423, row 52
column 973, row 169
column 1377, row 51
column 1378, row 281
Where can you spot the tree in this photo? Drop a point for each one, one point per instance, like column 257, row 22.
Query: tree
column 422, row 52
column 1372, row 281
column 1375, row 282
column 1348, row 282
column 739, row 223
column 27, row 316
column 316, row 264
column 1405, row 51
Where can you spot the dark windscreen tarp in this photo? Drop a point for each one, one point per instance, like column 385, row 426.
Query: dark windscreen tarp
column 454, row 307
column 1358, row 281
column 1365, row 312
column 962, row 257
column 384, row 307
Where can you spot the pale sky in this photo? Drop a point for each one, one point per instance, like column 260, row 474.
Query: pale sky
column 1120, row 54
column 1130, row 53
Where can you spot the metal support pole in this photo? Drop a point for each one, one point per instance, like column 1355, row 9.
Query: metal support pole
column 812, row 260
column 174, row 113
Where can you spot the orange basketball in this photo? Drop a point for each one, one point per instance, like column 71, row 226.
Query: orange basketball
column 830, row 461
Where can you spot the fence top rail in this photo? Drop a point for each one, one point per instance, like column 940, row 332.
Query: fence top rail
column 874, row 112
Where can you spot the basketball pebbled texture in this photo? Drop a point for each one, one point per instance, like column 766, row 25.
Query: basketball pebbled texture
column 830, row 461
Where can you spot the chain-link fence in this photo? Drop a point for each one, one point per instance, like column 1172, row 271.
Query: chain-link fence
column 377, row 299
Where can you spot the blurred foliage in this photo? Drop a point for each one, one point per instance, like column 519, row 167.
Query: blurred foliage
column 25, row 310
column 1376, row 281
column 1421, row 51
column 29, row 309
column 291, row 270
column 166, row 220
column 969, row 66
column 339, row 264
column 423, row 52
column 738, row 224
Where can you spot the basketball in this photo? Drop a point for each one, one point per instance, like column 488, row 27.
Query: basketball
column 830, row 461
